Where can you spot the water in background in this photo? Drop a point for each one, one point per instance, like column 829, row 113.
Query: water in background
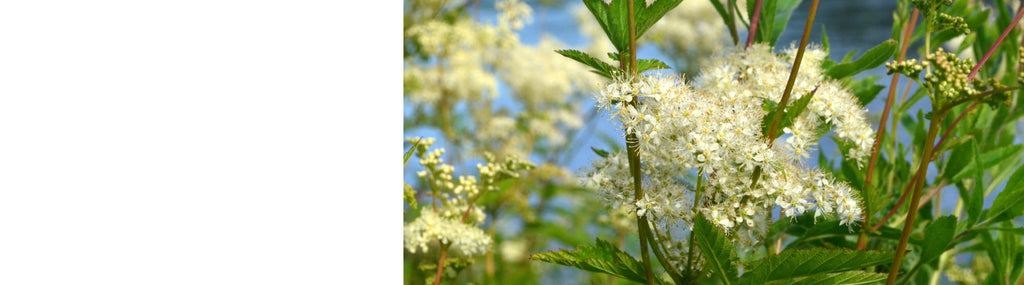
column 852, row 26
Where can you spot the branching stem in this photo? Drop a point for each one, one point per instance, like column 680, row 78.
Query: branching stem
column 862, row 239
column 994, row 46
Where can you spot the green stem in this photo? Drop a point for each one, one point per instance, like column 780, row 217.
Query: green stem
column 641, row 221
column 926, row 154
column 656, row 247
column 731, row 22
column 633, row 150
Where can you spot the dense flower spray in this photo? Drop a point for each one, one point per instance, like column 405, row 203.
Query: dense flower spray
column 714, row 129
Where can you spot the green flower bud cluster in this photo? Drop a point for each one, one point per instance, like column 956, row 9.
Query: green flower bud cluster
column 909, row 67
column 996, row 98
column 1020, row 62
column 943, row 21
column 928, row 6
column 948, row 79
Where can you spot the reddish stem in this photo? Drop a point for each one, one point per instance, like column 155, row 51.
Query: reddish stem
column 893, row 87
column 961, row 116
column 994, row 46
column 756, row 17
column 898, row 203
column 931, row 195
column 911, row 185
column 440, row 264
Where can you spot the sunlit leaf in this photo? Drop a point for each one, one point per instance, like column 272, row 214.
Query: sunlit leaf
column 717, row 250
column 798, row 263
column 602, row 257
column 600, row 67
column 841, row 278
column 874, row 57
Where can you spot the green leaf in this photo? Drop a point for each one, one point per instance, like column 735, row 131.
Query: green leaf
column 848, row 56
column 811, row 232
column 938, row 236
column 872, row 58
column 795, row 108
column 996, row 255
column 844, row 278
column 977, row 196
column 952, row 144
column 648, row 64
column 1009, row 241
column 988, row 159
column 717, row 249
column 783, row 10
column 1019, row 231
column 866, row 90
column 408, row 153
column 646, row 16
column 1010, row 202
column 613, row 20
column 914, row 97
column 769, row 107
column 600, row 152
column 766, row 21
column 824, row 39
column 600, row 67
column 967, row 42
column 603, row 257
column 643, row 64
column 792, row 111
column 613, row 55
column 720, row 9
column 800, row 263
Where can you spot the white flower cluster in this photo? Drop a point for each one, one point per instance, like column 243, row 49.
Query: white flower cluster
column 431, row 227
column 455, row 220
column 514, row 14
column 543, row 81
column 764, row 75
column 715, row 129
column 467, row 59
column 463, row 74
